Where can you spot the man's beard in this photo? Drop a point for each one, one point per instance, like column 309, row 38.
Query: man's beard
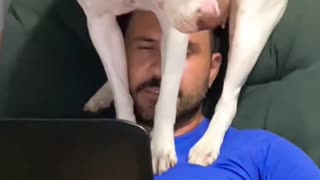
column 188, row 104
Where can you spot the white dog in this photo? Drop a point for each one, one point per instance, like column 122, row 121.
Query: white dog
column 250, row 24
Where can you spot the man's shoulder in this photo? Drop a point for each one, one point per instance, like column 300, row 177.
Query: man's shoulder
column 266, row 147
column 259, row 143
column 254, row 136
column 273, row 155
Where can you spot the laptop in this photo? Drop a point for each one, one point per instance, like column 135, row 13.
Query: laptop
column 74, row 149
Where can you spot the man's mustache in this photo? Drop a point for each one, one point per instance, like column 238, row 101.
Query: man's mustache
column 153, row 83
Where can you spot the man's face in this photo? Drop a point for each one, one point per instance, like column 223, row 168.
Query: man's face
column 142, row 42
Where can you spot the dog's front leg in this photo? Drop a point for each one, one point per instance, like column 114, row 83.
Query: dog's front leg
column 253, row 21
column 108, row 41
column 173, row 56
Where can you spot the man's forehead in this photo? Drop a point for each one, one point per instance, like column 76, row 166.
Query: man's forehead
column 142, row 23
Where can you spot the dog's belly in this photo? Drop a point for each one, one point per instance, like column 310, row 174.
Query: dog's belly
column 115, row 7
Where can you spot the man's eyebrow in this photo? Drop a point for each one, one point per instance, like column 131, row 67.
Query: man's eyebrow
column 193, row 46
column 143, row 38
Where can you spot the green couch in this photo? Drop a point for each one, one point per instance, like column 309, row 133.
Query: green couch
column 49, row 68
column 48, row 65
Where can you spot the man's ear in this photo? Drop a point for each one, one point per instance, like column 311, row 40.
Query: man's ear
column 216, row 60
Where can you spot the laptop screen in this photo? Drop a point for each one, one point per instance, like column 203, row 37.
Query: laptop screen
column 74, row 150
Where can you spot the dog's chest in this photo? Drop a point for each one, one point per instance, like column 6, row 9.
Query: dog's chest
column 115, row 7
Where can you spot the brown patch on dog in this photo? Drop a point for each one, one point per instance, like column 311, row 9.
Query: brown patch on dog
column 160, row 4
column 207, row 22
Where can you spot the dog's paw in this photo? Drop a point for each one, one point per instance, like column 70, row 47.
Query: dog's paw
column 206, row 150
column 163, row 154
column 98, row 104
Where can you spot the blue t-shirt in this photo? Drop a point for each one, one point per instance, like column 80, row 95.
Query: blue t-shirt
column 245, row 154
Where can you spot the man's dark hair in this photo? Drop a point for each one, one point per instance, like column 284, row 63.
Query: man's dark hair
column 219, row 43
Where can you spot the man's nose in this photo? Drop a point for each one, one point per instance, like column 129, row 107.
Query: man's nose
column 156, row 68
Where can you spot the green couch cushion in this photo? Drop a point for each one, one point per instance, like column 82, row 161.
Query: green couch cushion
column 48, row 65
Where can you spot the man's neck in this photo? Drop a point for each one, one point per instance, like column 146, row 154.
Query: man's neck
column 189, row 124
column 184, row 124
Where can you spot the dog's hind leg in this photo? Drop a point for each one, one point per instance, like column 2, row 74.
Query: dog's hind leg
column 173, row 56
column 107, row 39
column 253, row 21
column 101, row 100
